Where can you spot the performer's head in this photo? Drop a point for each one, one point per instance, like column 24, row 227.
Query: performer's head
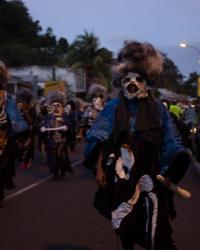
column 24, row 99
column 139, row 66
column 70, row 106
column 57, row 102
column 98, row 102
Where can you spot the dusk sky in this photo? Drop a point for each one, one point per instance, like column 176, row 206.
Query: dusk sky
column 164, row 23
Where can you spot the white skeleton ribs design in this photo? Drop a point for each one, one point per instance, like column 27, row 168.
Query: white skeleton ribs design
column 123, row 166
column 145, row 184
column 126, row 161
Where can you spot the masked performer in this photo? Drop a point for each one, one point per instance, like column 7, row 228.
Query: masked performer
column 11, row 125
column 57, row 128
column 139, row 155
column 90, row 114
column 71, row 112
column 26, row 143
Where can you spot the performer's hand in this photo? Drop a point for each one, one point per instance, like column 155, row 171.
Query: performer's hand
column 42, row 129
column 64, row 128
column 101, row 177
column 183, row 193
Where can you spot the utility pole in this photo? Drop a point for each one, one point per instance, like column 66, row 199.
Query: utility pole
column 54, row 73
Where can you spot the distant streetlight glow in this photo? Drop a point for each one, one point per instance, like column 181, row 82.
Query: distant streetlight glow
column 183, row 45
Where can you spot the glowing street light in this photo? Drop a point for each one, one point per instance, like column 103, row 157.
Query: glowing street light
column 185, row 45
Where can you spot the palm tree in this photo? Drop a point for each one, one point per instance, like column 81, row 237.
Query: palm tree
column 85, row 53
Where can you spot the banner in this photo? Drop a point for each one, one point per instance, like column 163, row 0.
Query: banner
column 54, row 86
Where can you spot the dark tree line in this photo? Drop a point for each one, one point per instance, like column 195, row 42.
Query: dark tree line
column 23, row 42
column 172, row 79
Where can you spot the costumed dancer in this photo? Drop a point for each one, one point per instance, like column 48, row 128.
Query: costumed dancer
column 70, row 110
column 57, row 128
column 26, row 142
column 138, row 154
column 11, row 125
column 90, row 114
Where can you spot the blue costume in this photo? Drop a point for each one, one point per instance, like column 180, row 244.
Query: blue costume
column 104, row 125
column 135, row 145
column 17, row 123
column 12, row 125
column 133, row 200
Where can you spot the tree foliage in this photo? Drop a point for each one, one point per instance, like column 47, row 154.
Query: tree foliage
column 190, row 85
column 21, row 39
column 23, row 42
column 85, row 53
column 171, row 78
column 16, row 25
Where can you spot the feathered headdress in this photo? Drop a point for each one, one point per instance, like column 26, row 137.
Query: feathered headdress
column 25, row 96
column 57, row 96
column 141, row 58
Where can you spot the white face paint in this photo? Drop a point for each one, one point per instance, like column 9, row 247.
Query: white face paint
column 98, row 103
column 57, row 108
column 134, row 86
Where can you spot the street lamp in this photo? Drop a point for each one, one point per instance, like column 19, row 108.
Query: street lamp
column 185, row 45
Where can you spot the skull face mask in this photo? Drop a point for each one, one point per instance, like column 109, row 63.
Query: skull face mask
column 98, row 103
column 134, row 86
column 57, row 108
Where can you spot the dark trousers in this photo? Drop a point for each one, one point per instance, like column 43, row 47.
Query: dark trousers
column 127, row 243
column 58, row 163
column 6, row 168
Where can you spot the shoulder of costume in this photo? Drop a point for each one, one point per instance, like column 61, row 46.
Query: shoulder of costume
column 160, row 105
column 10, row 103
column 113, row 103
column 10, row 98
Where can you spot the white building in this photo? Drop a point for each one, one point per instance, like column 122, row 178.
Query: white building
column 38, row 75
